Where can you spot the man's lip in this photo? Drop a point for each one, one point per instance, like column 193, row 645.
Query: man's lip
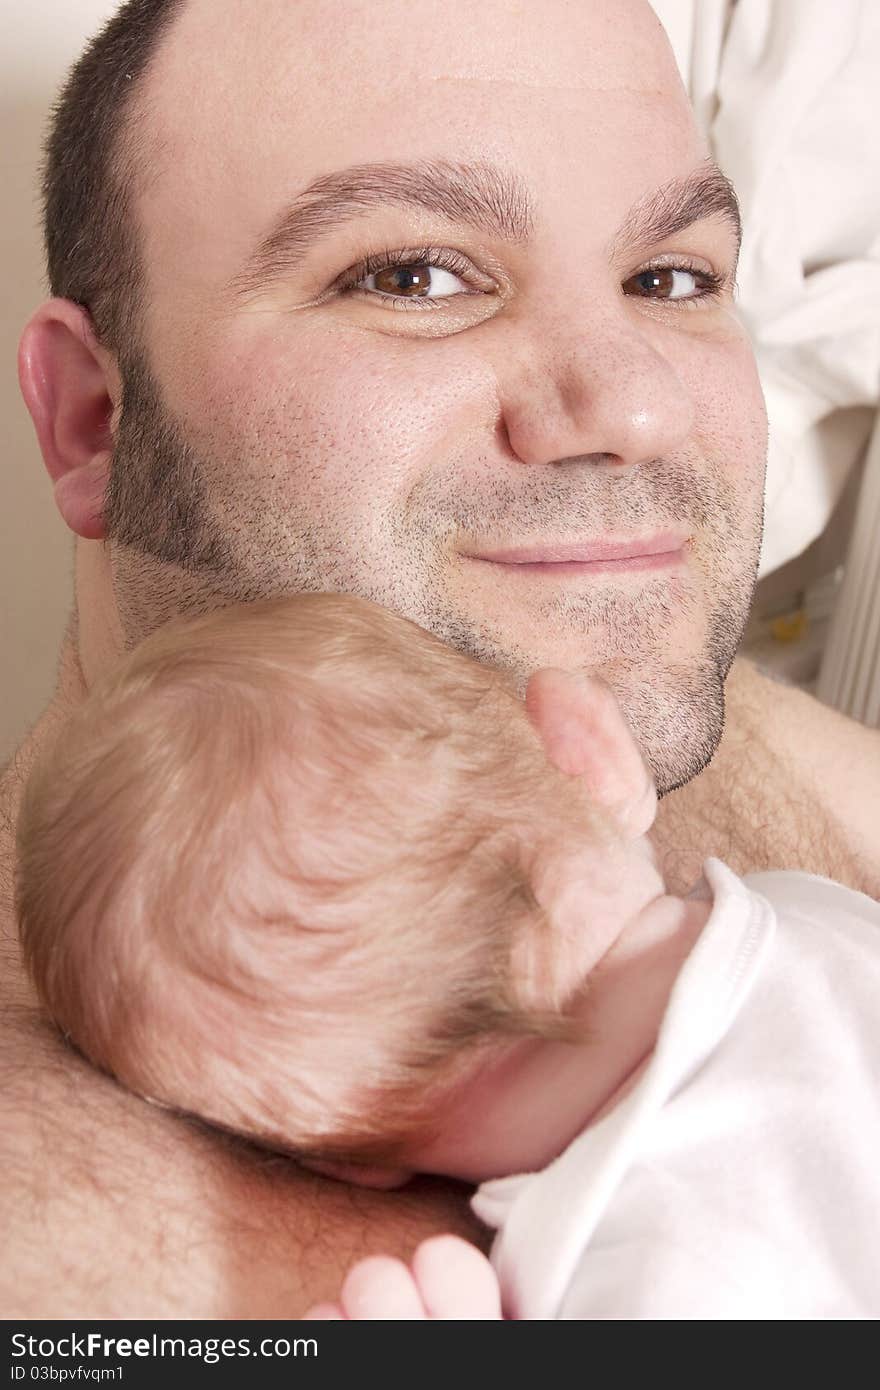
column 601, row 550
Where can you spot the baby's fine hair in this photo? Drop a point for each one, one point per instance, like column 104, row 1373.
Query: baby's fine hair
column 273, row 872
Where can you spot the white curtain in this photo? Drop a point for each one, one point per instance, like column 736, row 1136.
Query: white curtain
column 786, row 92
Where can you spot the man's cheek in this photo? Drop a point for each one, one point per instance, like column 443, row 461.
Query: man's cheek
column 335, row 414
column 722, row 378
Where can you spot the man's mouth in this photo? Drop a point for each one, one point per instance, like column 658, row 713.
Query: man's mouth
column 662, row 550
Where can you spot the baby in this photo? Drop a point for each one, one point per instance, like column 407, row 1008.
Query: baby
column 304, row 871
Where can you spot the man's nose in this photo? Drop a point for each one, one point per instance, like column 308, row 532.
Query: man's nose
column 604, row 390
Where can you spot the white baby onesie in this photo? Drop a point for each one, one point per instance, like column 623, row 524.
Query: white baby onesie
column 740, row 1177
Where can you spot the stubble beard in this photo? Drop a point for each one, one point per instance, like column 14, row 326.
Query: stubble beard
column 178, row 548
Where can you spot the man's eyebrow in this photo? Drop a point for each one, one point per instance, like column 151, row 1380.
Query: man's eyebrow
column 705, row 193
column 478, row 194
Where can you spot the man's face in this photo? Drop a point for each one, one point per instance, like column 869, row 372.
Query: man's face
column 575, row 380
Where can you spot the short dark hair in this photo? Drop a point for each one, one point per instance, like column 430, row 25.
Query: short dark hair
column 92, row 240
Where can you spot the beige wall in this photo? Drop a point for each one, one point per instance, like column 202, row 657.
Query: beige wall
column 38, row 41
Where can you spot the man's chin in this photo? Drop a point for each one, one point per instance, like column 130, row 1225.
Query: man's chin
column 676, row 714
column 677, row 719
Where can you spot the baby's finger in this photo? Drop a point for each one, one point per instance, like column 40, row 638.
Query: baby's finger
column 456, row 1280
column 324, row 1312
column 381, row 1287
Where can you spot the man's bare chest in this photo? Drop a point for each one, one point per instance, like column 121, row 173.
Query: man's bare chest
column 756, row 815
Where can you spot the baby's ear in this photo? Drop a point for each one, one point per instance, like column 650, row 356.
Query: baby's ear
column 585, row 735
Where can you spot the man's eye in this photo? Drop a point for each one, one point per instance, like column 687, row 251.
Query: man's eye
column 671, row 283
column 413, row 282
column 405, row 280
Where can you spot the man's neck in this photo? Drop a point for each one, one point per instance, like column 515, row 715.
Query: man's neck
column 89, row 649
column 793, row 785
column 69, row 692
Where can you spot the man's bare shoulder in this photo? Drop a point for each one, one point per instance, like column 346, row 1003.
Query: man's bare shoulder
column 794, row 784
column 836, row 756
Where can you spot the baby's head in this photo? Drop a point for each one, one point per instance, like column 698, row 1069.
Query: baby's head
column 295, row 867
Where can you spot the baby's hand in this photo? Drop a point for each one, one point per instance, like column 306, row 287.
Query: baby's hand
column 448, row 1279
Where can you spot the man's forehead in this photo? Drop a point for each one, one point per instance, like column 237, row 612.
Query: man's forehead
column 566, row 43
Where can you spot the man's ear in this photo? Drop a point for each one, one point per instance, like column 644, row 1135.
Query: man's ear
column 70, row 385
column 360, row 1174
column 585, row 735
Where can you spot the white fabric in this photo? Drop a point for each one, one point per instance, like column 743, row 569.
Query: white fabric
column 739, row 1178
column 786, row 92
